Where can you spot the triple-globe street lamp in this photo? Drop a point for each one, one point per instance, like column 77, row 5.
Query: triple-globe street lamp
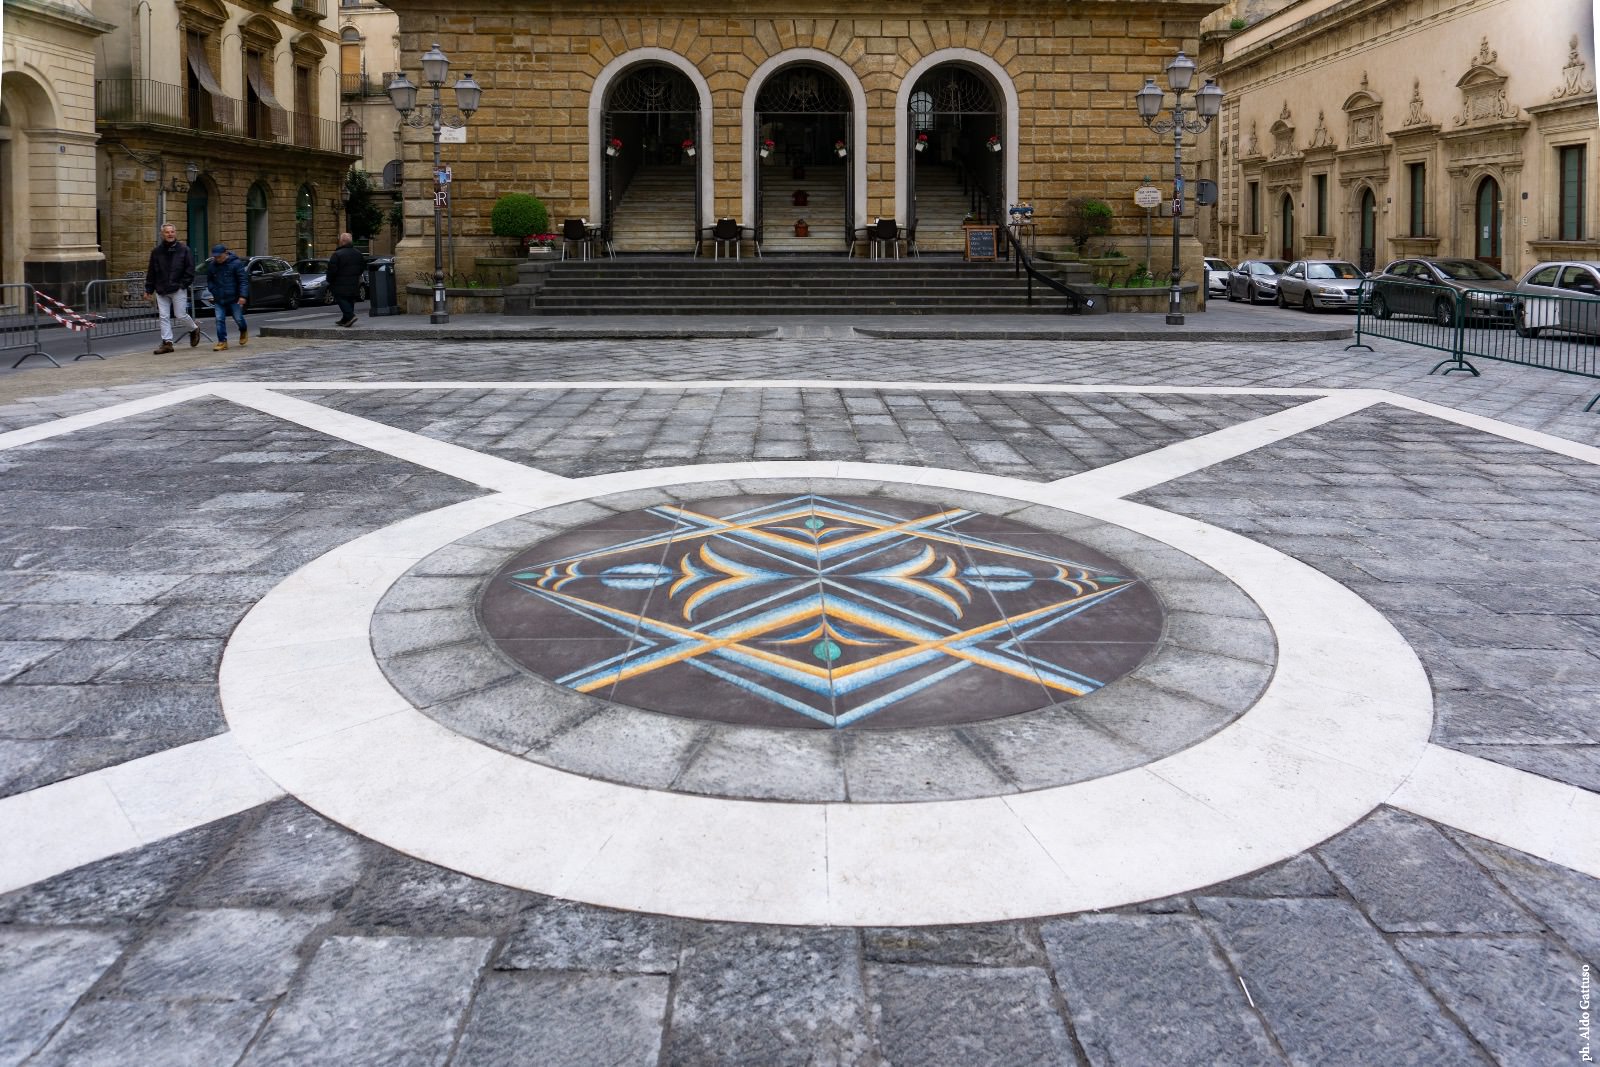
column 1207, row 103
column 403, row 95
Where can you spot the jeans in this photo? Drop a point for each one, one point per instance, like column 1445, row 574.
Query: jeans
column 237, row 310
column 347, row 306
column 174, row 307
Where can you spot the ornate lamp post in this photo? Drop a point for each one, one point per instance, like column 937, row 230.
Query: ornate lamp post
column 403, row 95
column 1207, row 102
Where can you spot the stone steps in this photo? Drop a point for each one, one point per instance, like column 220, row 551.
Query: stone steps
column 656, row 214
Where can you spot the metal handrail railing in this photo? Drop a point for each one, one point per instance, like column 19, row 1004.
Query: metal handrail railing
column 1075, row 302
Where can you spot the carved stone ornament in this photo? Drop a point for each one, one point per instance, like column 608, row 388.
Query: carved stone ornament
column 1575, row 75
column 1255, row 142
column 1283, row 134
column 1483, row 91
column 1319, row 136
column 1416, row 116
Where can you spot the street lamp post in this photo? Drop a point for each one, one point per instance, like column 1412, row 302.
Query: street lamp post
column 1207, row 102
column 403, row 95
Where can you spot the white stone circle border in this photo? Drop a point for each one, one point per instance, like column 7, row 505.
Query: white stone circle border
column 1344, row 721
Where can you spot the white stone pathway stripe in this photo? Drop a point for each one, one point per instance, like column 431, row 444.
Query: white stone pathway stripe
column 673, row 385
column 1343, row 722
column 57, row 827
column 480, row 468
column 1548, row 442
column 85, row 420
column 1525, row 811
column 1138, row 473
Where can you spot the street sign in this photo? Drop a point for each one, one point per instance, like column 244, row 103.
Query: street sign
column 453, row 135
column 1147, row 196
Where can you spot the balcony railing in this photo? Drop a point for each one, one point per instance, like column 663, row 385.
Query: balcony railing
column 364, row 84
column 309, row 9
column 153, row 103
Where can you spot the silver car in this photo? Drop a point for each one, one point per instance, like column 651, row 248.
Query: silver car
column 1575, row 308
column 1217, row 275
column 1310, row 284
column 1256, row 280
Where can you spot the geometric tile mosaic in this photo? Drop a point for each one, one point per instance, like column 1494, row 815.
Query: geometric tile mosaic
column 821, row 612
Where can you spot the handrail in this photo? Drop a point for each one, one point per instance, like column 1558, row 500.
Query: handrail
column 1075, row 302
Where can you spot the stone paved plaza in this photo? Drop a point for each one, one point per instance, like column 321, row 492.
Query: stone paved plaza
column 272, row 792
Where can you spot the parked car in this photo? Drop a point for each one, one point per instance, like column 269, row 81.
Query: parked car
column 314, row 281
column 1310, row 284
column 1576, row 283
column 1217, row 275
column 1432, row 287
column 273, row 283
column 1256, row 280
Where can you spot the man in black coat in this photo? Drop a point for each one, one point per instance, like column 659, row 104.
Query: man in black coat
column 167, row 278
column 345, row 268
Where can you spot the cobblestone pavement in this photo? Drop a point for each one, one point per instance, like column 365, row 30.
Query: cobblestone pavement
column 225, row 922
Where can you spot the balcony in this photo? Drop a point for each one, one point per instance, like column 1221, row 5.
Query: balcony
column 311, row 10
column 142, row 102
column 364, row 85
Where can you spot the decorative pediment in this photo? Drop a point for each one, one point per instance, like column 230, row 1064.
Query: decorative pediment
column 1320, row 138
column 260, row 34
column 307, row 46
column 1415, row 114
column 1483, row 90
column 1283, row 134
column 204, row 16
column 1575, row 75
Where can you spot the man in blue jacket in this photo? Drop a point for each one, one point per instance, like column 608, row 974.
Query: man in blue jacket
column 167, row 279
column 229, row 283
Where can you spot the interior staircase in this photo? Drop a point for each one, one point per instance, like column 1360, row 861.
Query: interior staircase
column 787, row 285
column 823, row 210
column 656, row 212
column 941, row 207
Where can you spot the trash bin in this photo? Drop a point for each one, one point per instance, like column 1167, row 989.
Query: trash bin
column 380, row 289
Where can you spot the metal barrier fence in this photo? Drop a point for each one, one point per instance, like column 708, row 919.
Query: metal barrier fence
column 116, row 307
column 1559, row 333
column 19, row 322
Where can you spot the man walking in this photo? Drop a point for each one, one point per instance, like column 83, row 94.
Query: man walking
column 229, row 283
column 345, row 268
column 166, row 281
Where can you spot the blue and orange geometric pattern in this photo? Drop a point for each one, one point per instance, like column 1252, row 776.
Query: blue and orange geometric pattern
column 835, row 610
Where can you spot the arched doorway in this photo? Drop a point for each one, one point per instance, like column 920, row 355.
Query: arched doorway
column 953, row 113
column 198, row 232
column 1486, row 232
column 1369, row 230
column 257, row 234
column 650, row 185
column 805, row 111
column 1286, row 226
column 305, row 223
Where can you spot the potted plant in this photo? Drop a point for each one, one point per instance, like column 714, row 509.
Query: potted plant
column 613, row 146
column 801, row 198
column 541, row 244
column 994, row 143
column 839, row 149
column 801, row 229
column 688, row 147
column 767, row 146
column 922, row 142
column 516, row 215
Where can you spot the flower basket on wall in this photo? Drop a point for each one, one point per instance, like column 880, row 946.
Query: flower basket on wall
column 613, row 146
column 766, row 148
column 688, row 149
column 994, row 143
column 922, row 142
column 839, row 149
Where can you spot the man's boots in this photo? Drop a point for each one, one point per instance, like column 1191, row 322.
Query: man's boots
column 164, row 348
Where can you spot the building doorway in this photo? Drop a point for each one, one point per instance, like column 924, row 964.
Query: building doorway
column 199, row 219
column 804, row 110
column 955, row 115
column 1286, row 226
column 1369, row 231
column 305, row 223
column 257, row 231
column 650, row 185
column 1486, row 233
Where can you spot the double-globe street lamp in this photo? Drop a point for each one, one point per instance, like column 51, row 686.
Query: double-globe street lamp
column 403, row 95
column 1207, row 103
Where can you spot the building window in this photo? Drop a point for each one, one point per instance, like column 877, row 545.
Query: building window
column 351, row 138
column 1253, row 200
column 304, row 134
column 1417, row 185
column 1319, row 186
column 1572, row 182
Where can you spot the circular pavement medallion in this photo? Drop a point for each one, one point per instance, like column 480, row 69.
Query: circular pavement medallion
column 821, row 611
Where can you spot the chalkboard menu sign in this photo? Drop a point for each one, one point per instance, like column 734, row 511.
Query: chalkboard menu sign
column 980, row 242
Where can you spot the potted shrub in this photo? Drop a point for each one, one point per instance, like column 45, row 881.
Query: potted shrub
column 516, row 215
column 1087, row 218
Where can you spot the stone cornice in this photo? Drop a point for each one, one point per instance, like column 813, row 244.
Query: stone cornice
column 72, row 17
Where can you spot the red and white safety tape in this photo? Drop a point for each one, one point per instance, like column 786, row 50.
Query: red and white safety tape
column 61, row 313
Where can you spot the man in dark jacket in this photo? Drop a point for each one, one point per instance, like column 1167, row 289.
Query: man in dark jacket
column 167, row 278
column 229, row 283
column 345, row 268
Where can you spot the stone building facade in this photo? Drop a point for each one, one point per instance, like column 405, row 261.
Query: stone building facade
column 222, row 119
column 369, row 126
column 1374, row 129
column 841, row 92
column 47, row 139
